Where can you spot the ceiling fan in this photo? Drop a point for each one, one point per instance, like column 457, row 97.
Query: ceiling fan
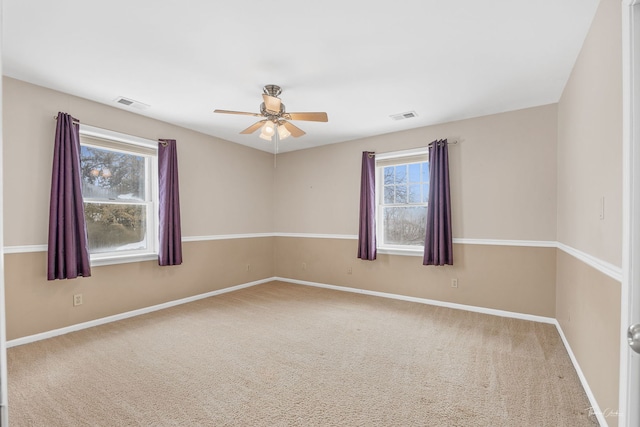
column 276, row 119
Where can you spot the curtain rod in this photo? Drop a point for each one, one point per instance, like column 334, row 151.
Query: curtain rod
column 454, row 142
column 76, row 122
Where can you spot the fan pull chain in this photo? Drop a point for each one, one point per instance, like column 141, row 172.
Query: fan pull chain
column 275, row 154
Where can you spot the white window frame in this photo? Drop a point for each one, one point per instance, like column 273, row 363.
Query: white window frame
column 151, row 253
column 383, row 248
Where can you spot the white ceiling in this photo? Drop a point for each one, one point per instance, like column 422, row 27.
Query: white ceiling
column 359, row 60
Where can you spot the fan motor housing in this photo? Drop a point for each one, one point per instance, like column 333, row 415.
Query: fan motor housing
column 264, row 112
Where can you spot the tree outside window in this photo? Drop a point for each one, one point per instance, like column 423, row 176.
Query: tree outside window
column 117, row 198
column 402, row 186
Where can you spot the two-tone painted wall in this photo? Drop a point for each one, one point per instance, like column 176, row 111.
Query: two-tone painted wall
column 227, row 214
column 526, row 192
column 590, row 171
column 537, row 213
column 503, row 187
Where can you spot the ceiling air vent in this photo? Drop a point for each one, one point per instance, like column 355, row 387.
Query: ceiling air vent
column 131, row 103
column 402, row 116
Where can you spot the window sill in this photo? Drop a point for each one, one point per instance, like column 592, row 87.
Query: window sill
column 97, row 261
column 398, row 250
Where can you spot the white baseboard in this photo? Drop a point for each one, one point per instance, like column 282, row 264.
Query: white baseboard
column 138, row 312
column 128, row 314
column 583, row 380
column 491, row 311
column 502, row 313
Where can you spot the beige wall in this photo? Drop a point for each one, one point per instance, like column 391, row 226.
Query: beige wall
column 590, row 142
column 503, row 178
column 516, row 279
column 506, row 158
column 225, row 189
column 590, row 167
column 503, row 186
column 533, row 174
column 36, row 305
column 588, row 309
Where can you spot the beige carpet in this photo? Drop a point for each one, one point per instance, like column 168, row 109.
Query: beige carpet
column 289, row 355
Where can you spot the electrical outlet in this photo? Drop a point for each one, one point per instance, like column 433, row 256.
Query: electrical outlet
column 350, row 270
column 248, row 267
column 454, row 283
column 304, row 265
column 77, row 300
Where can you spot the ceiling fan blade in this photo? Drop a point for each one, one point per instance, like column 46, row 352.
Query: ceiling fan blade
column 242, row 113
column 309, row 117
column 295, row 130
column 272, row 103
column 254, row 127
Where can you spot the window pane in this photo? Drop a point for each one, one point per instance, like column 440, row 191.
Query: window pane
column 115, row 227
column 389, row 194
column 388, row 175
column 405, row 225
column 425, row 172
column 415, row 195
column 401, row 174
column 112, row 175
column 401, row 193
column 403, row 199
column 414, row 172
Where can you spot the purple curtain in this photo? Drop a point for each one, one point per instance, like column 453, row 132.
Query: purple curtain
column 170, row 234
column 68, row 252
column 367, row 231
column 438, row 245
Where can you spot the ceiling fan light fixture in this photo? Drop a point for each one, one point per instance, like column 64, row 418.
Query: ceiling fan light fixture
column 283, row 132
column 276, row 120
column 268, row 129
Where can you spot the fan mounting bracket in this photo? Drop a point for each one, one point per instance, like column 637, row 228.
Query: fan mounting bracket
column 272, row 90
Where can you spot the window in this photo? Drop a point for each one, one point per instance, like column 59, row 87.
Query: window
column 402, row 186
column 119, row 191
